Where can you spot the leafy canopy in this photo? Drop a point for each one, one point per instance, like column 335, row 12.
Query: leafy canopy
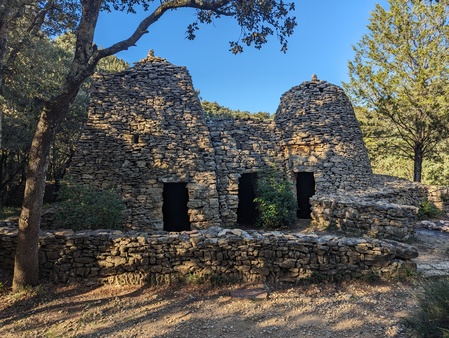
column 34, row 76
column 258, row 19
column 214, row 110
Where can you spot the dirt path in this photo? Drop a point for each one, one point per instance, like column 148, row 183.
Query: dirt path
column 325, row 310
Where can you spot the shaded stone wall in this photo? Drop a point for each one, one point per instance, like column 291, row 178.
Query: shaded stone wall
column 93, row 257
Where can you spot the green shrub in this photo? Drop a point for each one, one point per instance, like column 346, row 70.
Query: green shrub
column 428, row 210
column 83, row 208
column 432, row 317
column 276, row 201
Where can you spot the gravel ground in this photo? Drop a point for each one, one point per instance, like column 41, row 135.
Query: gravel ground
column 354, row 309
column 349, row 309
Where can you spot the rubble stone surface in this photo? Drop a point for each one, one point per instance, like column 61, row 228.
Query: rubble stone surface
column 106, row 256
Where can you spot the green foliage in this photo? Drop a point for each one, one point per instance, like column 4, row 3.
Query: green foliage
column 400, row 75
column 26, row 292
column 428, row 210
column 6, row 212
column 436, row 169
column 83, row 208
column 193, row 278
column 111, row 64
column 258, row 20
column 384, row 159
column 407, row 272
column 69, row 131
column 371, row 277
column 276, row 201
column 26, row 88
column 392, row 165
column 213, row 109
column 432, row 319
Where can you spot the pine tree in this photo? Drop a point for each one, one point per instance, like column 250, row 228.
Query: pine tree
column 400, row 73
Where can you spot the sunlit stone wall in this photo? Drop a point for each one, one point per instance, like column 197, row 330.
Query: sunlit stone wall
column 363, row 216
column 322, row 135
column 242, row 146
column 103, row 256
column 146, row 128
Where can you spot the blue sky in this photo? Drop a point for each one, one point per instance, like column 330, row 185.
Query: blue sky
column 254, row 80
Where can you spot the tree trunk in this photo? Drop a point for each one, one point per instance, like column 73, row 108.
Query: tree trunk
column 26, row 264
column 3, row 42
column 417, row 162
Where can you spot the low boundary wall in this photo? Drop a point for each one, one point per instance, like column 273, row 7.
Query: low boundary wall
column 105, row 256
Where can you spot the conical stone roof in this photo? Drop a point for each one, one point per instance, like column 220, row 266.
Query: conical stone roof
column 321, row 134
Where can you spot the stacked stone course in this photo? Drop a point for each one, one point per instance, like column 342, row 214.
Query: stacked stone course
column 106, row 256
column 321, row 134
column 146, row 128
column 362, row 216
column 241, row 146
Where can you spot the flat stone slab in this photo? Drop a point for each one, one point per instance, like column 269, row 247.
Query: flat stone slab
column 253, row 293
column 433, row 248
column 434, row 269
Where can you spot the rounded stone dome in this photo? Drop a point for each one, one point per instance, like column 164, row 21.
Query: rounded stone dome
column 321, row 134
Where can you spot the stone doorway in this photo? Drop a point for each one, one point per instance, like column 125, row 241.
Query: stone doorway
column 174, row 208
column 247, row 208
column 305, row 188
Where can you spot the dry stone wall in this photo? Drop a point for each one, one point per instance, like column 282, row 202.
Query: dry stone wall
column 321, row 135
column 401, row 191
column 102, row 256
column 362, row 216
column 241, row 146
column 146, row 129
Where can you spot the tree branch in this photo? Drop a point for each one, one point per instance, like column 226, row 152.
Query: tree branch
column 33, row 30
column 214, row 6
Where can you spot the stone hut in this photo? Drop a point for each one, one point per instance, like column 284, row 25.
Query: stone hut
column 146, row 138
column 176, row 169
column 321, row 135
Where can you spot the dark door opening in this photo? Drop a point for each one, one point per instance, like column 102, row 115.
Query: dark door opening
column 305, row 188
column 246, row 210
column 174, row 207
